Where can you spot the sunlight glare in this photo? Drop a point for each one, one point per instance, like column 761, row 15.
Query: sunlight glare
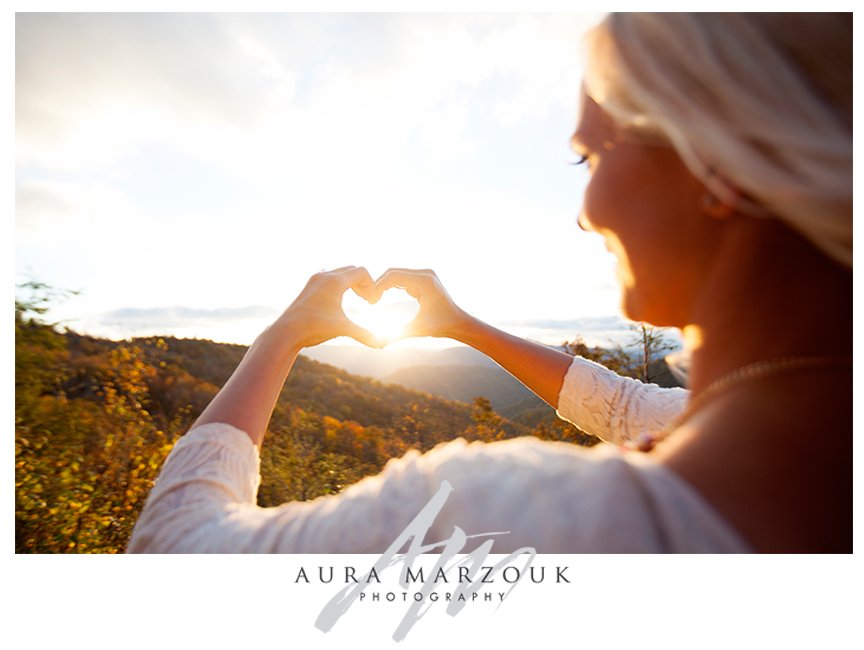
column 388, row 318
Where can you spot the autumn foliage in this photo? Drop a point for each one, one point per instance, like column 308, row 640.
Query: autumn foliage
column 95, row 419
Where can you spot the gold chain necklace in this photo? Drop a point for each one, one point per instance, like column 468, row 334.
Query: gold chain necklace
column 751, row 372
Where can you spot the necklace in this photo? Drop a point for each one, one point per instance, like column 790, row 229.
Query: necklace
column 746, row 374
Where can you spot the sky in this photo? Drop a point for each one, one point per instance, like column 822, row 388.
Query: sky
column 187, row 173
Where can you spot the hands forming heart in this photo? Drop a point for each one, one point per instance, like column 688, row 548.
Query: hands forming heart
column 318, row 313
column 387, row 319
column 437, row 314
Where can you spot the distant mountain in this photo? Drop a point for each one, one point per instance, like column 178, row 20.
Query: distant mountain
column 459, row 373
column 463, row 383
column 508, row 396
column 381, row 364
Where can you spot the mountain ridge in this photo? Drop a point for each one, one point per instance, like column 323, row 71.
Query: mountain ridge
column 95, row 419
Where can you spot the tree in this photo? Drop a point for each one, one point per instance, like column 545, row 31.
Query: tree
column 87, row 449
column 488, row 425
column 652, row 342
column 614, row 358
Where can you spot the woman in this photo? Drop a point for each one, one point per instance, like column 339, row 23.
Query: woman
column 719, row 148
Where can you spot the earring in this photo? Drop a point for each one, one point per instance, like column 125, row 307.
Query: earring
column 714, row 207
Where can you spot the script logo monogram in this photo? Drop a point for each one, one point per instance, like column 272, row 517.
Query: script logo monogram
column 467, row 568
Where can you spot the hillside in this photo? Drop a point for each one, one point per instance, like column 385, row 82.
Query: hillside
column 508, row 396
column 95, row 419
column 462, row 374
column 464, row 383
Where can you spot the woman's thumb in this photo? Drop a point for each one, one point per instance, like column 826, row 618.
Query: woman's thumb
column 364, row 336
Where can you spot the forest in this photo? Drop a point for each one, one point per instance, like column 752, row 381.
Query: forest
column 95, row 419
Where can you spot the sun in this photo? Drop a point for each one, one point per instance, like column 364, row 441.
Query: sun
column 386, row 319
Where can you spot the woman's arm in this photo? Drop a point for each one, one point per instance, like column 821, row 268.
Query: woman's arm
column 247, row 399
column 617, row 409
column 540, row 368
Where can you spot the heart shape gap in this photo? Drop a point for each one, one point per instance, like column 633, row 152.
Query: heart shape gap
column 386, row 319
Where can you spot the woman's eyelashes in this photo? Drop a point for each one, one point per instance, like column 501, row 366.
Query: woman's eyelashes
column 582, row 160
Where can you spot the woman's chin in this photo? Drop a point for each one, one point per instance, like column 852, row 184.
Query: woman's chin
column 631, row 301
column 636, row 309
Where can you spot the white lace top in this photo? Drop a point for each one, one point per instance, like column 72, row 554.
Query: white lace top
column 554, row 497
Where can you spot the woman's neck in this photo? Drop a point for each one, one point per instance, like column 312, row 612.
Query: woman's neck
column 774, row 459
column 779, row 300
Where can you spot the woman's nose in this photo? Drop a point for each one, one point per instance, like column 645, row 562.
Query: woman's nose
column 582, row 222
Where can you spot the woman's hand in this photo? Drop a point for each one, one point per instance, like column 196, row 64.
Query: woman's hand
column 316, row 315
column 247, row 399
column 540, row 368
column 438, row 314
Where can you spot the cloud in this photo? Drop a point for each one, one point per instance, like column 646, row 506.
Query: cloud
column 258, row 90
column 594, row 330
column 92, row 88
column 168, row 156
column 63, row 211
column 179, row 316
column 33, row 199
column 585, row 324
column 227, row 324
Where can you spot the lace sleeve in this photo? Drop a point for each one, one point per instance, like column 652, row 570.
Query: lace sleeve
column 550, row 496
column 615, row 408
column 204, row 502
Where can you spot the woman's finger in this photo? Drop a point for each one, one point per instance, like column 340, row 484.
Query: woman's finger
column 341, row 269
column 361, row 282
column 363, row 336
column 352, row 277
column 412, row 280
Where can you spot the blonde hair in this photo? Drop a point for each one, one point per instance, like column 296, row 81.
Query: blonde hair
column 757, row 106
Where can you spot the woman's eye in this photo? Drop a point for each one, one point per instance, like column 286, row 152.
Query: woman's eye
column 581, row 160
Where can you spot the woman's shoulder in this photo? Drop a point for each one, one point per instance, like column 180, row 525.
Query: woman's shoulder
column 561, row 498
column 532, row 458
column 554, row 497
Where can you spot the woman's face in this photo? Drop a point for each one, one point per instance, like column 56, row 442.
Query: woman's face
column 645, row 203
